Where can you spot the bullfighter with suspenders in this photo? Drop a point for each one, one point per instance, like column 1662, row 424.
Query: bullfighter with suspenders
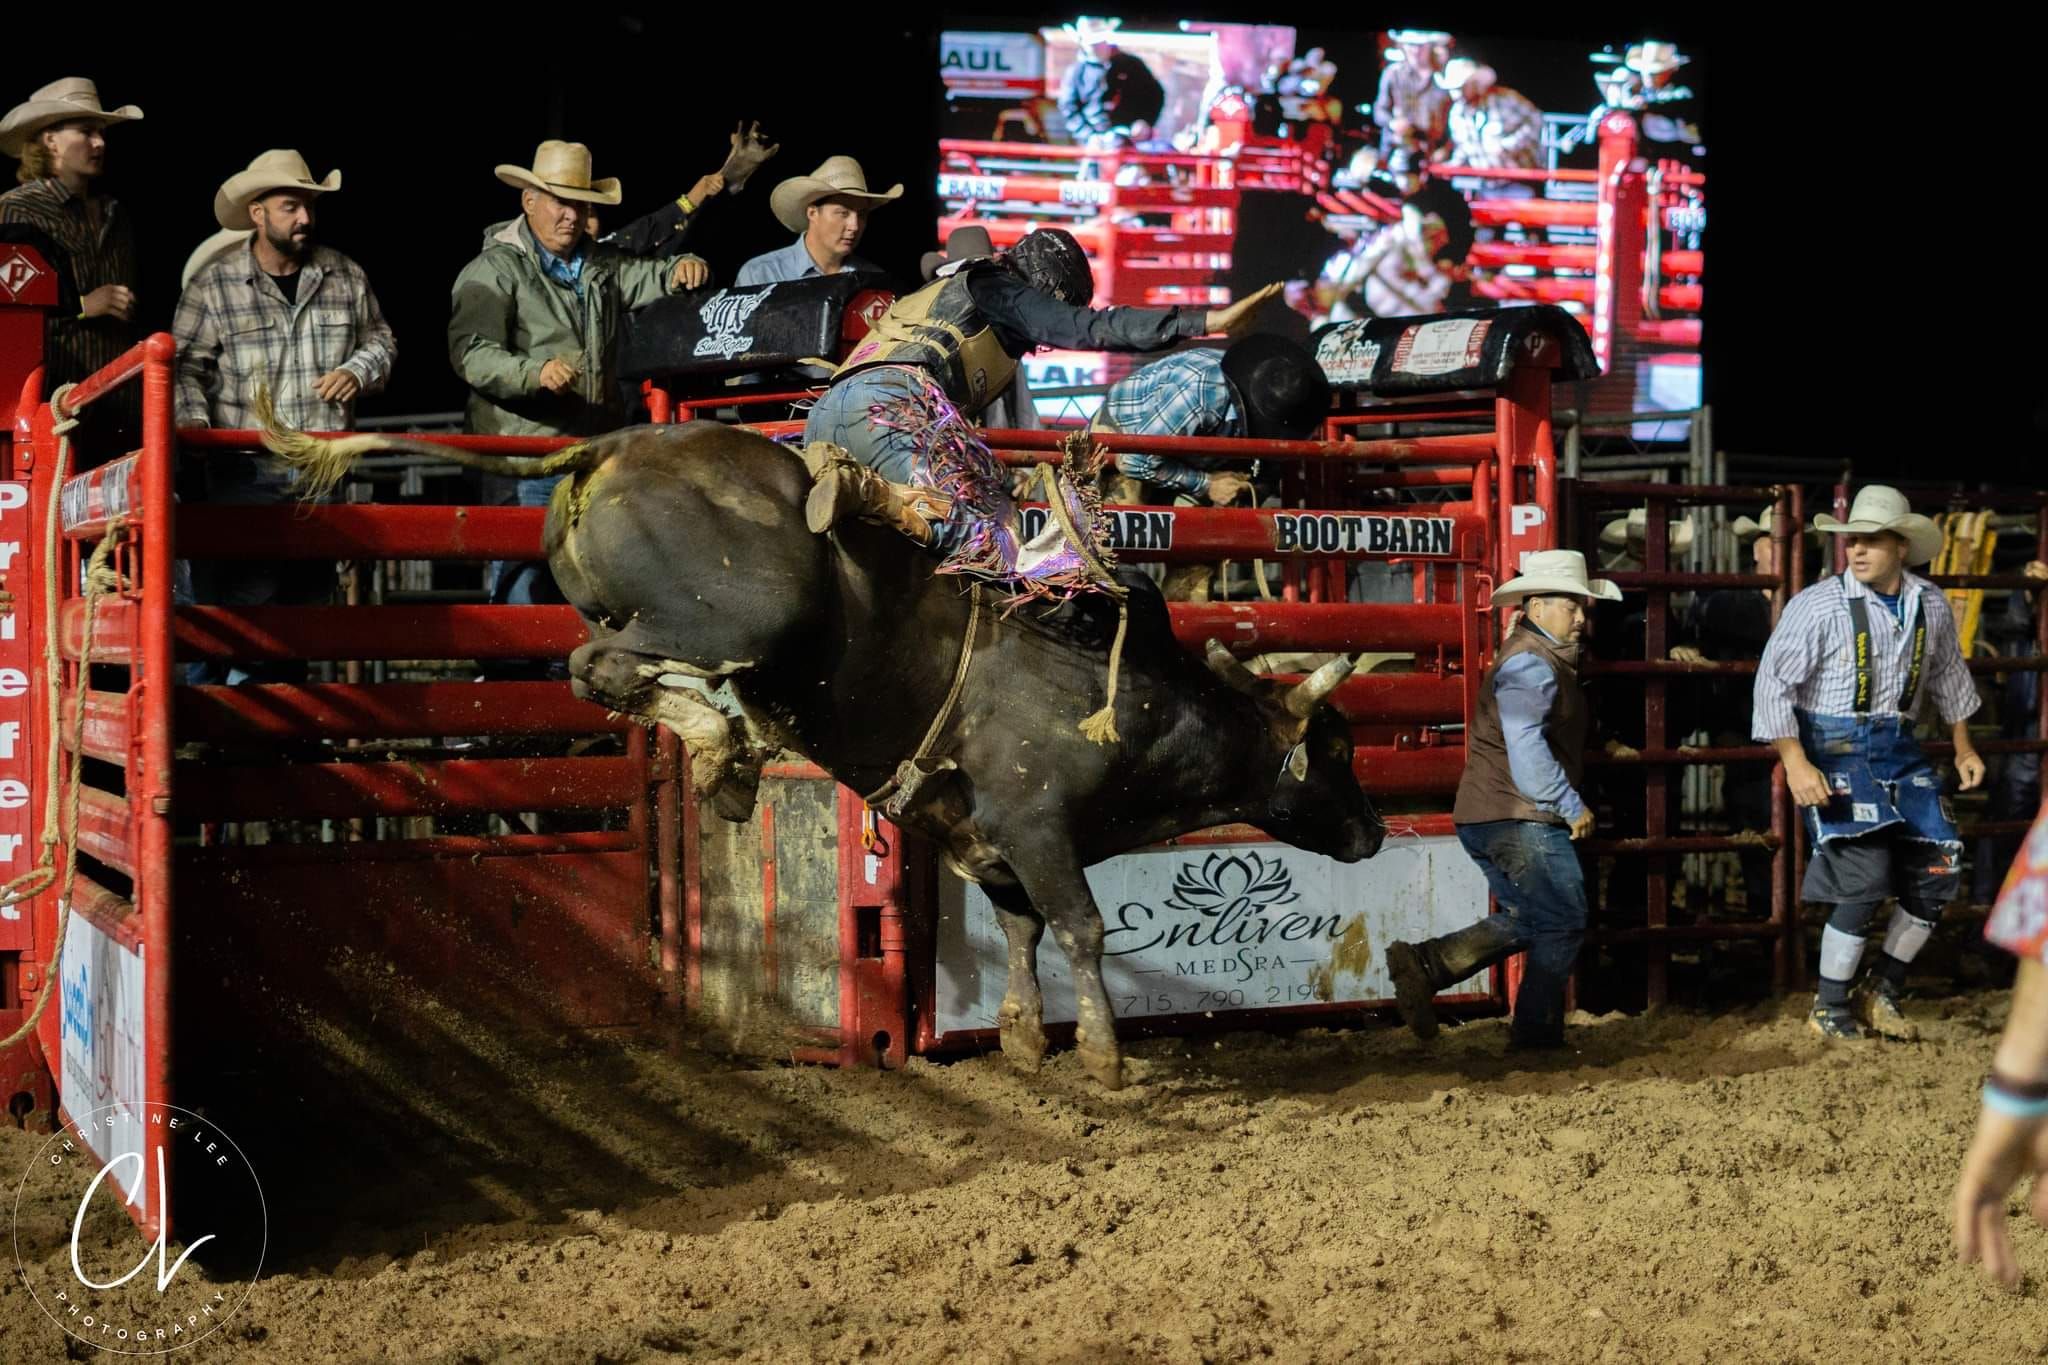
column 1845, row 673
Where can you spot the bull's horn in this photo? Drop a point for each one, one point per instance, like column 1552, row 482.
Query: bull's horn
column 1224, row 665
column 1305, row 696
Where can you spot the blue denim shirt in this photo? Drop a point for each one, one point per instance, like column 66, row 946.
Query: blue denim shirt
column 1525, row 689
column 569, row 272
column 792, row 262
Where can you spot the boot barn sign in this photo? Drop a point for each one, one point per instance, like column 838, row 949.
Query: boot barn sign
column 992, row 65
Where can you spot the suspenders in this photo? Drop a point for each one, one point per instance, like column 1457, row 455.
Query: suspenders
column 1859, row 617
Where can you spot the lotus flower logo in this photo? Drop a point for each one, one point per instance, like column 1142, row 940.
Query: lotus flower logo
column 1234, row 883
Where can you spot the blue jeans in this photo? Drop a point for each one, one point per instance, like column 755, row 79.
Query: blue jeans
column 1534, row 873
column 840, row 415
column 524, row 583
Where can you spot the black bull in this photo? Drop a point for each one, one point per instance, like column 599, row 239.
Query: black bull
column 714, row 611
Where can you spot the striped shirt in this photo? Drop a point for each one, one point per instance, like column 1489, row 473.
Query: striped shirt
column 1810, row 663
column 97, row 237
column 1183, row 394
column 235, row 330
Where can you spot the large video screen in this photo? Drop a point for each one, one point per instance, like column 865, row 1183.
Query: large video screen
column 1393, row 173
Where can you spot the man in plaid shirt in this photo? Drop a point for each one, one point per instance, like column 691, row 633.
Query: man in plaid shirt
column 284, row 314
column 1837, row 690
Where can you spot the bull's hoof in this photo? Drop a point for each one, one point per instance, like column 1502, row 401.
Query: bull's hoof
column 1023, row 1039
column 738, row 785
column 1105, row 1066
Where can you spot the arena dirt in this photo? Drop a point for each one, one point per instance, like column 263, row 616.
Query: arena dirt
column 1679, row 1188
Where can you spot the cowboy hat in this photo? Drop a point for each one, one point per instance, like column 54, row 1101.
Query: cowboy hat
column 59, row 101
column 1650, row 58
column 1417, row 37
column 563, row 170
column 1561, row 571
column 1746, row 530
column 1881, row 508
column 1636, row 527
column 268, row 173
column 1457, row 71
column 962, row 244
column 838, row 177
column 211, row 250
column 1279, row 386
column 1089, row 28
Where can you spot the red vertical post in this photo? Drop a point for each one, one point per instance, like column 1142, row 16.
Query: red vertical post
column 1620, row 225
column 149, row 780
column 668, row 852
column 874, row 998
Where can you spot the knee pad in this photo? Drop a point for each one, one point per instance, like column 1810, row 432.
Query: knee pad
column 1854, row 917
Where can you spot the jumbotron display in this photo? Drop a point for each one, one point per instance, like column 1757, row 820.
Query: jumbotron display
column 1392, row 173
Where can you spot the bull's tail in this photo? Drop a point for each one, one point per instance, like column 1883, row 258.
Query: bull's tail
column 322, row 461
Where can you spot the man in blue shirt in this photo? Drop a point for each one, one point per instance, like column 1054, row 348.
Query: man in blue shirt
column 828, row 210
column 1520, row 809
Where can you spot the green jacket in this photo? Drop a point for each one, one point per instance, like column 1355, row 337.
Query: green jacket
column 509, row 319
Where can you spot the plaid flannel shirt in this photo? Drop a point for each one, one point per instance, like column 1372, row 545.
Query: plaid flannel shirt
column 1500, row 128
column 235, row 331
column 1183, row 394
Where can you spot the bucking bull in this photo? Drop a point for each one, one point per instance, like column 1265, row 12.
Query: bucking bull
column 714, row 611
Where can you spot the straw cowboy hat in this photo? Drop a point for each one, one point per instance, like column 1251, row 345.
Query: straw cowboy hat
column 1635, row 529
column 1746, row 530
column 1457, row 71
column 59, row 101
column 839, row 177
column 563, row 170
column 962, row 244
column 1554, row 571
column 268, row 173
column 211, row 250
column 1652, row 58
column 1879, row 508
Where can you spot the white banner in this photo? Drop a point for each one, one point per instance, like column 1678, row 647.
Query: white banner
column 1202, row 929
column 991, row 64
column 102, row 1062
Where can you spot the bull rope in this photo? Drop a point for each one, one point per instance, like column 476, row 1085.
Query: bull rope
column 101, row 578
column 1074, row 447
column 911, row 773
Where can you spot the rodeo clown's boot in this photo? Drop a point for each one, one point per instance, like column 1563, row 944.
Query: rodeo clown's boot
column 1420, row 970
column 845, row 487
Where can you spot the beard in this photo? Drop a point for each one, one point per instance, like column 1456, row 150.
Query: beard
column 286, row 245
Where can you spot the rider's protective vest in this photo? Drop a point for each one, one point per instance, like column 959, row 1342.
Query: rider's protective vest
column 939, row 330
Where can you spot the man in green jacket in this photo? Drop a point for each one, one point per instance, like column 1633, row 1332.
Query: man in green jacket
column 535, row 326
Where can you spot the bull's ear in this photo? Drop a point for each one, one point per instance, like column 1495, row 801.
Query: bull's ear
column 1305, row 696
column 1224, row 665
column 1297, row 762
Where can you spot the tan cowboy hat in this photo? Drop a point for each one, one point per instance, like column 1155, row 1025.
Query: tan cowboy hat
column 1635, row 527
column 1881, row 508
column 1457, row 71
column 73, row 97
column 272, row 171
column 1554, row 571
column 1650, row 58
column 839, row 176
column 563, row 170
column 1746, row 530
column 211, row 250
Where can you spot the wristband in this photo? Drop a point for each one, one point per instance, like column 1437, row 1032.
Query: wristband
column 683, row 203
column 83, row 316
column 1998, row 1101
column 2019, row 1090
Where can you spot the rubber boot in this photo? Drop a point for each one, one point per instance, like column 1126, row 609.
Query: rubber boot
column 845, row 488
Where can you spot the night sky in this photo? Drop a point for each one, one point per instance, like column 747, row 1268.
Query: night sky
column 1844, row 312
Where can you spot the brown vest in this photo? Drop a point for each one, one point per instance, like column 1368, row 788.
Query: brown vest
column 939, row 329
column 1487, row 790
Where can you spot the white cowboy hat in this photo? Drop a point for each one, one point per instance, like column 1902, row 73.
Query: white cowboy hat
column 73, row 97
column 211, row 250
column 1650, row 58
column 1089, row 28
column 1457, row 71
column 839, row 176
column 1417, row 37
column 272, row 171
column 563, row 170
column 1554, row 571
column 1881, row 508
column 1635, row 527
